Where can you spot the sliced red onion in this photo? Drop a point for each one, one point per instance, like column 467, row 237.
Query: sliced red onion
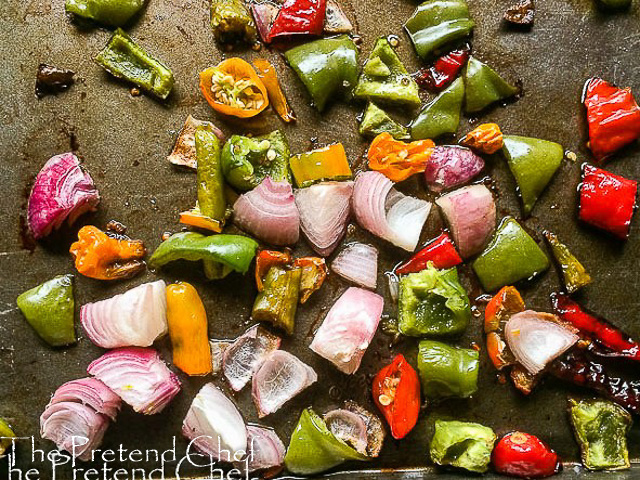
column 335, row 20
column 246, row 354
column 269, row 213
column 536, row 339
column 451, row 166
column 134, row 318
column 138, row 376
column 324, row 214
column 214, row 425
column 217, row 354
column 264, row 13
column 471, row 215
column 265, row 450
column 387, row 213
column 358, row 263
column 91, row 392
column 63, row 190
column 281, row 377
column 349, row 427
column 348, row 329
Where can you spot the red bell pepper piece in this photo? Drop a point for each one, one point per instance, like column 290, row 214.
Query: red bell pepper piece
column 299, row 17
column 596, row 328
column 440, row 251
column 523, row 455
column 613, row 116
column 396, row 392
column 607, row 201
column 443, row 71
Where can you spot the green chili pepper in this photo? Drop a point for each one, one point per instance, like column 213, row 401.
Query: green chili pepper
column 223, row 253
column 601, row 429
column 447, row 371
column 574, row 274
column 246, row 162
column 327, row 67
column 462, row 445
column 436, row 23
column 314, row 449
column 124, row 58
column 49, row 309
column 441, row 115
column 109, row 12
column 432, row 302
column 376, row 121
column 278, row 301
column 6, row 436
column 533, row 162
column 483, row 86
column 512, row 255
column 385, row 80
column 231, row 21
column 211, row 198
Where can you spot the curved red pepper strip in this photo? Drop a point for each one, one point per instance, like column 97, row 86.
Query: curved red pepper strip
column 440, row 251
column 299, row 17
column 444, row 70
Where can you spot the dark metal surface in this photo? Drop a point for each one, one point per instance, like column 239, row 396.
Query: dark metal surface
column 124, row 141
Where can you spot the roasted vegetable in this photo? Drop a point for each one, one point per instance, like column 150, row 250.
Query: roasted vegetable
column 441, row 115
column 485, row 138
column 574, row 275
column 523, row 455
column 328, row 163
column 398, row 160
column 115, row 13
column 184, row 150
column 278, row 301
column 376, row 121
column 443, row 71
column 314, row 272
column 51, row 80
column 267, row 73
column 483, row 86
column 521, row 14
column 440, row 251
column 231, row 21
column 447, row 371
column 462, row 445
column 299, row 17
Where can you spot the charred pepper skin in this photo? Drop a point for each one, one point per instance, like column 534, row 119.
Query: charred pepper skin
column 523, row 455
column 231, row 21
column 115, row 13
column 278, row 301
column 574, row 275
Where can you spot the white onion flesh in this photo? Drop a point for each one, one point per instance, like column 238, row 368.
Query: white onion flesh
column 358, row 263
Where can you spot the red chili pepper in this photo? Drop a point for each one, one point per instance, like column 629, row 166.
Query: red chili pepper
column 299, row 17
column 607, row 201
column 613, row 116
column 596, row 328
column 440, row 251
column 443, row 71
column 524, row 455
column 396, row 392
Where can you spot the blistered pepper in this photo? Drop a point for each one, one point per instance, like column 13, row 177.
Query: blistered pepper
column 447, row 371
column 328, row 163
column 278, row 301
column 187, row 321
column 443, row 71
column 607, row 201
column 441, row 115
column 327, row 67
column 398, row 160
column 483, row 86
column 485, row 138
column 376, row 121
column 6, row 436
column 49, row 309
column 384, row 79
column 124, row 58
column 277, row 98
column 613, row 116
column 299, row 17
column 314, row 273
column 231, row 21
column 115, row 13
column 396, row 393
column 512, row 255
column 266, row 259
column 574, row 275
column 107, row 256
column 501, row 307
column 523, row 455
column 601, row 429
column 462, row 445
column 440, row 251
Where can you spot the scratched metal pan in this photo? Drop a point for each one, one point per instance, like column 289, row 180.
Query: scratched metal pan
column 124, row 142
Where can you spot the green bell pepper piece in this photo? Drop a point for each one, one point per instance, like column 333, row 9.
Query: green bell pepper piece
column 463, row 445
column 436, row 23
column 231, row 21
column 314, row 449
column 328, row 67
column 211, row 199
column 123, row 58
column 533, row 162
column 447, row 371
column 384, row 78
column 441, row 115
column 246, row 162
column 6, row 436
column 512, row 255
column 225, row 253
column 432, row 302
column 49, row 309
column 278, row 301
column 376, row 121
column 483, row 86
column 601, row 429
column 574, row 275
column 115, row 13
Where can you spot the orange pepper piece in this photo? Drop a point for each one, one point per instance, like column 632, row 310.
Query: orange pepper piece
column 502, row 306
column 234, row 88
column 267, row 259
column 398, row 160
column 269, row 77
column 314, row 272
column 485, row 138
column 187, row 321
column 104, row 257
column 196, row 219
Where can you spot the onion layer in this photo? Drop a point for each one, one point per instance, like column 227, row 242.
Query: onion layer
column 358, row 263
column 451, row 166
column 266, row 450
column 349, row 427
column 90, row 392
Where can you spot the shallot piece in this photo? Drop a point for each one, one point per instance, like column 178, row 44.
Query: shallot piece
column 269, row 212
column 138, row 376
column 91, row 392
column 134, row 318
column 451, row 166
column 348, row 329
column 217, row 354
column 63, row 190
column 184, row 150
column 214, row 425
column 349, row 427
column 281, row 377
column 335, row 20
column 358, row 263
column 387, row 213
column 536, row 339
column 264, row 13
column 245, row 355
column 324, row 213
column 265, row 451
column 471, row 215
